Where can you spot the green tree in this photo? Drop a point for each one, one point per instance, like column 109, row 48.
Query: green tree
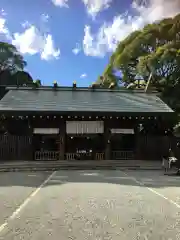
column 107, row 78
column 10, row 59
column 155, row 49
column 11, row 67
column 38, row 81
column 21, row 78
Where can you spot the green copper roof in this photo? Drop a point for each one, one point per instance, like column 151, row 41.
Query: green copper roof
column 81, row 100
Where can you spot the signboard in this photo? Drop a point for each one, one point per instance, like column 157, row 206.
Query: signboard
column 84, row 127
column 46, row 131
column 122, row 131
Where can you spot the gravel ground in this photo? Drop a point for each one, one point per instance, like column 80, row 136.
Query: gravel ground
column 169, row 186
column 95, row 205
column 15, row 188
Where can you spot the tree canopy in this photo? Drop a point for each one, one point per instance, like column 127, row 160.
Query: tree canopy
column 155, row 49
column 10, row 58
column 12, row 68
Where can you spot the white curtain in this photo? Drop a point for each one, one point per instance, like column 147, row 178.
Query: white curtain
column 81, row 127
column 46, row 130
column 122, row 130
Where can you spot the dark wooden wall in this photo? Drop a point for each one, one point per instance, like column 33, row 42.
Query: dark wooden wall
column 151, row 143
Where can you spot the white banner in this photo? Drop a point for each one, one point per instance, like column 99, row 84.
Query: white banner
column 46, row 131
column 87, row 127
column 122, row 130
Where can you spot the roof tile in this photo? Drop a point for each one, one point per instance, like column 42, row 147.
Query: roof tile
column 94, row 101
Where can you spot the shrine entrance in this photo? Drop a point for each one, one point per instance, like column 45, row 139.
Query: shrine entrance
column 84, row 147
column 45, row 144
column 123, row 144
column 84, row 140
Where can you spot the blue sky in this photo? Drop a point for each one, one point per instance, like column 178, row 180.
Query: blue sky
column 67, row 40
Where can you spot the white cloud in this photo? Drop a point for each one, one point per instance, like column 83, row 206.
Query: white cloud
column 32, row 41
column 109, row 34
column 26, row 24
column 2, row 12
column 95, row 6
column 4, row 31
column 49, row 50
column 84, row 75
column 60, row 3
column 94, row 45
column 77, row 49
column 3, row 28
column 45, row 17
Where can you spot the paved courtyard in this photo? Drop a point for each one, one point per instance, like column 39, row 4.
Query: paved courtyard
column 89, row 205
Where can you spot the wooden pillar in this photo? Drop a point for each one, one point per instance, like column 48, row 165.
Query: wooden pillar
column 140, row 140
column 62, row 135
column 137, row 143
column 31, row 142
column 107, row 137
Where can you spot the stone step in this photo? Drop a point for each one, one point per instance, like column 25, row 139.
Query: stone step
column 70, row 169
column 78, row 165
column 102, row 162
column 53, row 168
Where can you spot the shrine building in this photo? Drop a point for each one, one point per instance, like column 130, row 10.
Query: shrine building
column 57, row 123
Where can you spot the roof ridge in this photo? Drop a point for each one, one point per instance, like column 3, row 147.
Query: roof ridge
column 64, row 88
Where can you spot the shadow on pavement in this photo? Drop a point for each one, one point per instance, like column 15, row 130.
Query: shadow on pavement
column 153, row 179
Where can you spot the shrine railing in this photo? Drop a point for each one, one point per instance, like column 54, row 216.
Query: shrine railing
column 70, row 156
column 122, row 155
column 47, row 155
column 100, row 156
column 84, row 156
column 79, row 156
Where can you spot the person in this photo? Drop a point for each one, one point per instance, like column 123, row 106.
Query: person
column 172, row 159
column 167, row 160
column 165, row 163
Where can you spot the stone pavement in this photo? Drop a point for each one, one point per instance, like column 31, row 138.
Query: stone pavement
column 22, row 166
column 90, row 205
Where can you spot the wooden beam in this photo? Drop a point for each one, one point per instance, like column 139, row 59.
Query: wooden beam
column 148, row 82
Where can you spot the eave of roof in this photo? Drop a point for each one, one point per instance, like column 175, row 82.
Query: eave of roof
column 66, row 99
